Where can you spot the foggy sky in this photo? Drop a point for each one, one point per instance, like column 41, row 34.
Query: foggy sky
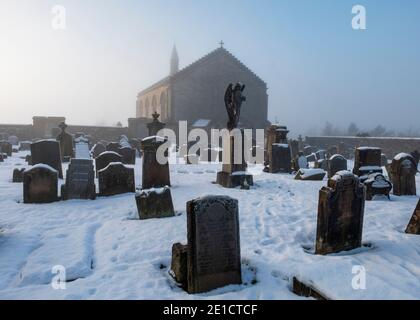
column 317, row 67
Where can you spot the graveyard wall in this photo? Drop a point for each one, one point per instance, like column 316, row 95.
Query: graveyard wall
column 390, row 146
column 23, row 131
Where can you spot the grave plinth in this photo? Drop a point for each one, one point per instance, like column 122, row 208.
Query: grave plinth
column 155, row 203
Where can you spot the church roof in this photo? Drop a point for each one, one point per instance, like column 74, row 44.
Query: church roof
column 205, row 58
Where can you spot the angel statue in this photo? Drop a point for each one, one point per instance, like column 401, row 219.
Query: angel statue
column 233, row 102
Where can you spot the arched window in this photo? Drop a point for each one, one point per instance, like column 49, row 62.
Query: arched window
column 163, row 105
column 146, row 108
column 154, row 104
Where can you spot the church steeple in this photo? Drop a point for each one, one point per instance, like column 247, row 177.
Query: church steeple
column 174, row 61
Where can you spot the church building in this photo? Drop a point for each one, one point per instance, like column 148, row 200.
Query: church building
column 196, row 93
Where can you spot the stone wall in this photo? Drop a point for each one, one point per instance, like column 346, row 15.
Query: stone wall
column 390, row 146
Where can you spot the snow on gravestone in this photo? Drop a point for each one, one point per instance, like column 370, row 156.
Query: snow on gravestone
column 116, row 179
column 40, row 184
column 98, row 149
column 403, row 171
column 80, row 180
column 335, row 164
column 155, row 203
column 105, row 158
column 414, row 224
column 367, row 160
column 340, row 214
column 47, row 152
column 213, row 251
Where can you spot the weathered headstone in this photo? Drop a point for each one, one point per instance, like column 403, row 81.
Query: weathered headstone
column 155, row 174
column 116, row 179
column 307, row 150
column 414, row 224
column 213, row 257
column 311, row 157
column 321, row 164
column 310, row 174
column 280, row 158
column 47, row 152
column 340, row 214
column 40, row 184
column 128, row 155
column 25, row 146
column 376, row 184
column 367, row 160
column 105, row 158
column 335, row 164
column 403, row 171
column 416, row 155
column 321, row 155
column 294, row 148
column 113, row 147
column 18, row 175
column 80, row 180
column 275, row 134
column 66, row 142
column 300, row 162
column 155, row 203
column 155, row 125
column 6, row 147
column 97, row 150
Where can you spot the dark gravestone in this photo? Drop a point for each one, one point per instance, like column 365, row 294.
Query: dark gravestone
column 18, row 175
column 307, row 150
column 213, row 250
column 116, row 179
column 377, row 185
column 311, row 157
column 367, row 160
column 384, row 160
column 340, row 214
column 274, row 134
column 113, row 147
column 66, row 142
column 321, row 164
column 294, row 148
column 28, row 159
column 80, row 180
column 97, row 150
column 155, row 174
column 154, row 203
column 414, row 224
column 179, row 264
column 416, row 156
column 47, row 152
column 321, row 154
column 105, row 158
column 155, row 126
column 40, row 184
column 280, row 158
column 335, row 164
column 128, row 155
column 403, row 171
column 6, row 147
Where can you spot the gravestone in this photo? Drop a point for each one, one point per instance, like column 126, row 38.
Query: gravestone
column 6, row 147
column 179, row 264
column 25, row 146
column 80, row 180
column 367, row 160
column 66, row 142
column 403, row 171
column 113, row 147
column 155, row 203
column 81, row 150
column 28, row 159
column 280, row 160
column 116, row 179
column 294, row 148
column 18, row 175
column 274, row 134
column 300, row 162
column 414, row 224
column 321, row 155
column 335, row 164
column 376, row 184
column 384, row 160
column 40, row 184
column 416, row 155
column 213, row 257
column 321, row 164
column 105, row 158
column 310, row 175
column 97, row 150
column 307, row 150
column 155, row 174
column 155, row 126
column 128, row 155
column 311, row 157
column 47, row 152
column 340, row 214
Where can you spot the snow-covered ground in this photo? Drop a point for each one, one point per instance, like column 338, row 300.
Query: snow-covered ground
column 109, row 254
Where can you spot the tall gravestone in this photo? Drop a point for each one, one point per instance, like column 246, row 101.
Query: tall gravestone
column 280, row 160
column 212, row 255
column 97, row 149
column 403, row 171
column 6, row 147
column 40, row 184
column 414, row 224
column 340, row 214
column 113, row 147
column 66, row 143
column 275, row 134
column 47, row 152
column 335, row 164
column 367, row 160
column 155, row 174
column 105, row 158
column 80, row 180
column 155, row 126
column 294, row 148
column 116, row 179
